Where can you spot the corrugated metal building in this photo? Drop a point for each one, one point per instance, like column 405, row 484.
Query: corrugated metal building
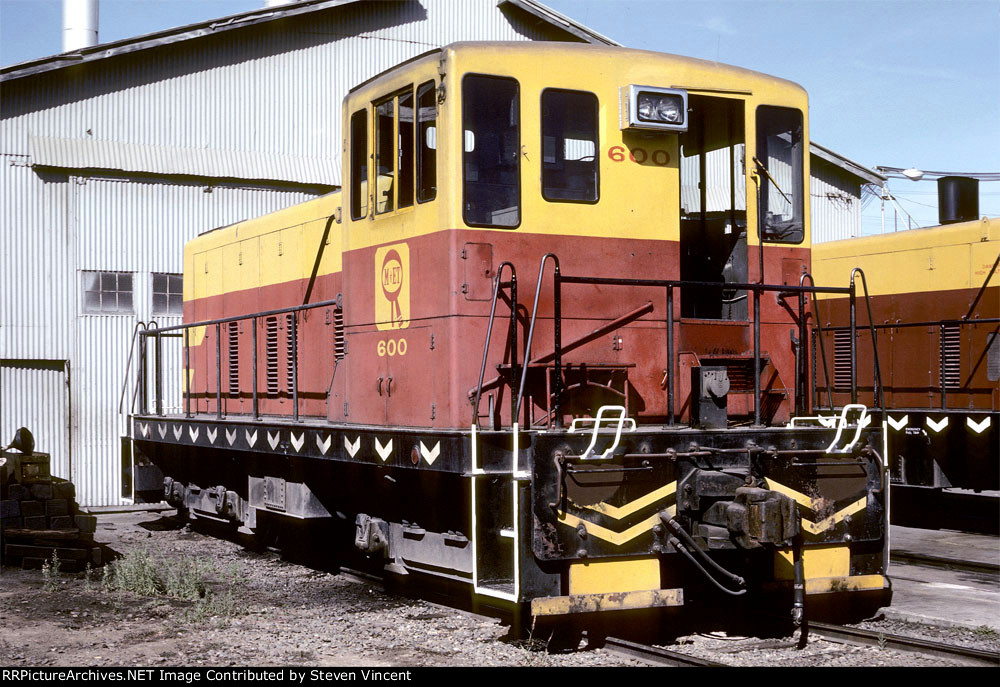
column 114, row 156
column 838, row 188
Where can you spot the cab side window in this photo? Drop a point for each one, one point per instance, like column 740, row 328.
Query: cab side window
column 426, row 142
column 569, row 146
column 385, row 158
column 491, row 160
column 359, row 164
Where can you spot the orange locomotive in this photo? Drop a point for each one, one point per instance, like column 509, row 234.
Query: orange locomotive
column 534, row 345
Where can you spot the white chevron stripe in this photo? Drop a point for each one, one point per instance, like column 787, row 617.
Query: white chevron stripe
column 937, row 426
column 193, row 432
column 352, row 448
column 251, row 438
column 144, row 428
column 273, row 441
column 978, row 427
column 383, row 451
column 323, row 446
column 212, row 433
column 178, row 430
column 430, row 456
column 898, row 425
column 230, row 437
column 162, row 429
column 297, row 443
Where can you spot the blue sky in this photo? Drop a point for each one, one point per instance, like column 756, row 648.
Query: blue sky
column 891, row 82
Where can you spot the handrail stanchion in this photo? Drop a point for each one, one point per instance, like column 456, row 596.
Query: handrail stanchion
column 512, row 342
column 143, row 406
column 877, row 396
column 256, row 401
column 295, row 366
column 218, row 370
column 819, row 338
column 756, row 356
column 854, row 341
column 670, row 356
column 531, row 333
column 187, row 374
column 158, row 381
column 557, row 336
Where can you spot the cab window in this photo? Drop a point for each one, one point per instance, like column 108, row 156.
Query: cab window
column 569, row 146
column 385, row 156
column 491, row 169
column 359, row 165
column 426, row 143
column 779, row 165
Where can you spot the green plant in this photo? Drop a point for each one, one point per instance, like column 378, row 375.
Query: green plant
column 50, row 572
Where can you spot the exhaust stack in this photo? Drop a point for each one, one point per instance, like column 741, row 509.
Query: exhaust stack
column 79, row 24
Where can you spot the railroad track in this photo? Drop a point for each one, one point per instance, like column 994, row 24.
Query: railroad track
column 930, row 560
column 657, row 655
column 858, row 637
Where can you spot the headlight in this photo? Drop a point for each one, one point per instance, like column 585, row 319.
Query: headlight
column 652, row 108
column 657, row 107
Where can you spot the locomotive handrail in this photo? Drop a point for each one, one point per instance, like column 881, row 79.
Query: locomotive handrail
column 181, row 330
column 819, row 327
column 128, row 365
column 879, row 396
column 511, row 334
column 669, row 285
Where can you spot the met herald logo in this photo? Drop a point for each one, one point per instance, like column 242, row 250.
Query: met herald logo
column 392, row 287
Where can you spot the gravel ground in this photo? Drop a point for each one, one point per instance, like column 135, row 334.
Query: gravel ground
column 259, row 610
column 256, row 609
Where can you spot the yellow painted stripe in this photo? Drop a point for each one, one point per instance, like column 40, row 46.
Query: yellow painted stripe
column 827, row 523
column 853, row 583
column 813, row 504
column 619, row 512
column 611, row 601
column 610, row 536
column 803, row 500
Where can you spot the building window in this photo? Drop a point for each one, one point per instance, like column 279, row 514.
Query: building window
column 107, row 292
column 569, row 146
column 168, row 294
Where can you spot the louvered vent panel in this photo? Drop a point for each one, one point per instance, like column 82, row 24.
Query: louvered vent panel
column 950, row 356
column 271, row 354
column 234, row 358
column 291, row 333
column 339, row 343
column 842, row 359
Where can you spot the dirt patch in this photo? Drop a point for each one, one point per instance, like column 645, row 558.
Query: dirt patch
column 233, row 606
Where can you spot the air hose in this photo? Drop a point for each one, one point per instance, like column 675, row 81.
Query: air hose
column 693, row 553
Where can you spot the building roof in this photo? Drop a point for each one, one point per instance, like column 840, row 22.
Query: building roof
column 850, row 166
column 252, row 18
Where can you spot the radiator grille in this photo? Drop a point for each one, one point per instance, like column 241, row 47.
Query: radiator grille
column 271, row 355
column 233, row 351
column 842, row 359
column 291, row 334
column 339, row 342
column 951, row 356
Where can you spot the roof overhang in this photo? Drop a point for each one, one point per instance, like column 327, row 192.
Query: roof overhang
column 867, row 175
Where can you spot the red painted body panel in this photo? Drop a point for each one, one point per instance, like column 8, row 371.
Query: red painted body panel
column 435, row 358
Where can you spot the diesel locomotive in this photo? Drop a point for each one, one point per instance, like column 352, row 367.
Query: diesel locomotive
column 935, row 303
column 549, row 343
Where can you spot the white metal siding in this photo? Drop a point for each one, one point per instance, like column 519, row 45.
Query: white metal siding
column 139, row 227
column 35, row 394
column 835, row 202
column 265, row 91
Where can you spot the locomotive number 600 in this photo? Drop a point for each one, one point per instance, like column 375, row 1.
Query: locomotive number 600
column 391, row 347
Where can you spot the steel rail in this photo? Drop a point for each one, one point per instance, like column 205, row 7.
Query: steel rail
column 658, row 656
column 924, row 647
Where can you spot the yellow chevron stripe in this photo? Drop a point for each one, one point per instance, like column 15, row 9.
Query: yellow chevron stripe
column 827, row 523
column 619, row 512
column 813, row 504
column 610, row 536
column 803, row 500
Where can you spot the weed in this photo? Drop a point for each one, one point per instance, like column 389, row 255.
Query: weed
column 986, row 632
column 88, row 578
column 50, row 572
column 881, row 641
